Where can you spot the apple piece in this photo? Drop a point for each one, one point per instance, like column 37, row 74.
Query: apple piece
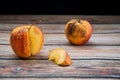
column 26, row 40
column 60, row 57
column 36, row 40
column 78, row 32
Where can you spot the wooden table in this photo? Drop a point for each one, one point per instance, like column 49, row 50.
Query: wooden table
column 99, row 59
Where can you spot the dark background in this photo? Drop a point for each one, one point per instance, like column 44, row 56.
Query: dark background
column 77, row 7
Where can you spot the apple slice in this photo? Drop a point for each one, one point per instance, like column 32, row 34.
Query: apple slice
column 60, row 57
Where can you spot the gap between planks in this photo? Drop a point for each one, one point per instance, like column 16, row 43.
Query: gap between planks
column 59, row 78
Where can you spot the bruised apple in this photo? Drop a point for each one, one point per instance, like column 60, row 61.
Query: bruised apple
column 60, row 57
column 26, row 40
column 78, row 32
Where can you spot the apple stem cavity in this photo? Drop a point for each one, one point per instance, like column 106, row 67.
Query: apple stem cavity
column 34, row 22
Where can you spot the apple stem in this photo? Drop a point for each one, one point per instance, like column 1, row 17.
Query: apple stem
column 79, row 19
column 34, row 22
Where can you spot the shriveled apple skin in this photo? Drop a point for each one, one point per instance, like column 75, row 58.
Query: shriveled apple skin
column 67, row 61
column 19, row 41
column 78, row 32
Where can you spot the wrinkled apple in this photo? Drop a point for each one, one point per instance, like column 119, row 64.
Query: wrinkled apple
column 26, row 40
column 78, row 32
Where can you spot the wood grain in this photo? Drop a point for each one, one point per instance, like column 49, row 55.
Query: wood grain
column 59, row 28
column 76, row 52
column 58, row 18
column 58, row 79
column 96, row 39
column 45, row 68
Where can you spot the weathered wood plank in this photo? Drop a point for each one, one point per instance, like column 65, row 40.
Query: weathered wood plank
column 85, row 64
column 45, row 68
column 96, row 39
column 58, row 18
column 76, row 52
column 59, row 28
column 58, row 79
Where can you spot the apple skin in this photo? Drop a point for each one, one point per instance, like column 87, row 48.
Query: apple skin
column 67, row 60
column 78, row 32
column 23, row 38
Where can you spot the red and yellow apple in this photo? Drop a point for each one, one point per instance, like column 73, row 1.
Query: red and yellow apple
column 78, row 32
column 60, row 57
column 26, row 40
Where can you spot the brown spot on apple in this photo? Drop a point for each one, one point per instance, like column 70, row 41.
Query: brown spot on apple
column 71, row 30
column 82, row 32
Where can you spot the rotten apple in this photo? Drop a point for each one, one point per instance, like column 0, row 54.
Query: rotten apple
column 78, row 32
